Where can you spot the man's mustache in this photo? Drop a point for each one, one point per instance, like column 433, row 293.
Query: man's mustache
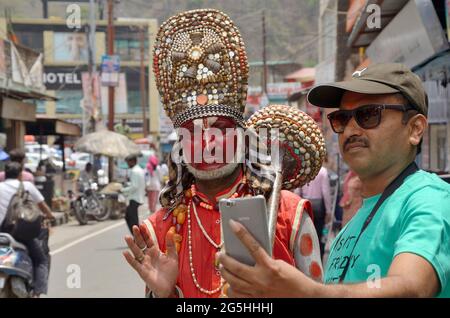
column 356, row 139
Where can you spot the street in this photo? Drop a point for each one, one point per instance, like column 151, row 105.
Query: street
column 326, row 121
column 93, row 251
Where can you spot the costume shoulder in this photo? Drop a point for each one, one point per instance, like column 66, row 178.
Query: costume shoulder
column 291, row 204
column 292, row 210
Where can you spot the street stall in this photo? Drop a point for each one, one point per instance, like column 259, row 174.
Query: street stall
column 50, row 126
column 113, row 145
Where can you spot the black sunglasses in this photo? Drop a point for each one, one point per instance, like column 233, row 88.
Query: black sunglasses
column 367, row 116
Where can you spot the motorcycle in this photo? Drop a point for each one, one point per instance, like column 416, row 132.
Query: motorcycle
column 16, row 269
column 88, row 204
column 114, row 201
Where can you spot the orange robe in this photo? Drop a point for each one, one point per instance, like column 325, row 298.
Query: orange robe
column 203, row 253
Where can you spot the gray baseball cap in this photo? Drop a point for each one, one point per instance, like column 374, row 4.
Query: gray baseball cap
column 386, row 78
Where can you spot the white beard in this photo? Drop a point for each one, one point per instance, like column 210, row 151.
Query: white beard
column 222, row 172
column 213, row 174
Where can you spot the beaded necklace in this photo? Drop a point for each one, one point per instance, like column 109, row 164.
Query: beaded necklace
column 183, row 212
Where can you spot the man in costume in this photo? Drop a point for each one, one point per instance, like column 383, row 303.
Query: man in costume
column 201, row 70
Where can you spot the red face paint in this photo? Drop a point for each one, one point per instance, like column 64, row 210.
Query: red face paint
column 208, row 142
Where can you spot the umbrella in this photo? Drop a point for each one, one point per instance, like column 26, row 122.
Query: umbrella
column 3, row 155
column 107, row 143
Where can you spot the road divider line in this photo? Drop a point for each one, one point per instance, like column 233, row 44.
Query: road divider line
column 87, row 237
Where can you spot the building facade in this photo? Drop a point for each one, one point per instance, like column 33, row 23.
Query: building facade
column 415, row 33
column 66, row 53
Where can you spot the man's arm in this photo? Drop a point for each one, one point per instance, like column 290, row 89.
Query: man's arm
column 133, row 184
column 39, row 200
column 409, row 276
column 46, row 210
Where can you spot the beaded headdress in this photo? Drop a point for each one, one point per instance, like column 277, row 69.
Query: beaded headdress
column 201, row 67
column 299, row 137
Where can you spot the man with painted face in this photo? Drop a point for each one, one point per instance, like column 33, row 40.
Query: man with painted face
column 201, row 70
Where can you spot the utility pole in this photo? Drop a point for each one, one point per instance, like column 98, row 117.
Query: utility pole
column 143, row 90
column 45, row 9
column 110, row 31
column 91, row 65
column 264, row 52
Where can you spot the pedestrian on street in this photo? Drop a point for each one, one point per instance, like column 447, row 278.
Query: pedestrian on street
column 87, row 174
column 351, row 199
column 397, row 244
column 18, row 155
column 153, row 185
column 135, row 192
column 39, row 256
column 123, row 128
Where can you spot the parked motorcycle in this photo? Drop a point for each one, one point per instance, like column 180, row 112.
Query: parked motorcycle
column 16, row 269
column 88, row 204
column 114, row 201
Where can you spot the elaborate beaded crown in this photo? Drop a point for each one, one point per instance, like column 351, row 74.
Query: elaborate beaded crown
column 201, row 67
column 301, row 138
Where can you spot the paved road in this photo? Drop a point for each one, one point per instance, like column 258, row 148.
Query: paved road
column 93, row 251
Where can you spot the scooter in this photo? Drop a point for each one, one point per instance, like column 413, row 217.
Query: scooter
column 16, row 269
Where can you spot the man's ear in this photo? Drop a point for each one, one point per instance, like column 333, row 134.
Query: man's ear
column 417, row 126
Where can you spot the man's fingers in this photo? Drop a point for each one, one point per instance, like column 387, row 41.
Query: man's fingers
column 170, row 246
column 146, row 236
column 137, row 252
column 138, row 237
column 237, row 283
column 231, row 293
column 132, row 261
column 231, row 265
column 258, row 253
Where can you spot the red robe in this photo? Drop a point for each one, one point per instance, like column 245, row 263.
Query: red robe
column 203, row 253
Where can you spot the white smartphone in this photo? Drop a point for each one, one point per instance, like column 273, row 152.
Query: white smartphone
column 250, row 212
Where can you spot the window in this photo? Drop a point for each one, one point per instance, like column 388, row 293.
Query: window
column 128, row 45
column 31, row 39
column 134, row 102
column 69, row 102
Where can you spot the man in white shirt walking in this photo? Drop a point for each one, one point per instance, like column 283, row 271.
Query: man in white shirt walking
column 135, row 192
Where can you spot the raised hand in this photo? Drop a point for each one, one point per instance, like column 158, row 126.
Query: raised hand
column 158, row 270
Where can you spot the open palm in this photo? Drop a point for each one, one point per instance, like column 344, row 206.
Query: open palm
column 158, row 270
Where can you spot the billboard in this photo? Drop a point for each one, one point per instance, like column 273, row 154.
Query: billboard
column 70, row 47
column 110, row 68
column 120, row 97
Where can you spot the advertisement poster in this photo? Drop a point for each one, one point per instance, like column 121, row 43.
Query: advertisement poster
column 120, row 97
column 70, row 47
column 110, row 68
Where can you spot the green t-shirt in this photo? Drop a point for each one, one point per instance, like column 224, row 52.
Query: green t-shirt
column 414, row 219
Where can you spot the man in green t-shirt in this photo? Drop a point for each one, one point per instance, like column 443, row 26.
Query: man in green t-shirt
column 123, row 128
column 397, row 244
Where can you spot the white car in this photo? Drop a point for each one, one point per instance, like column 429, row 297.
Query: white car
column 32, row 160
column 78, row 161
column 37, row 148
